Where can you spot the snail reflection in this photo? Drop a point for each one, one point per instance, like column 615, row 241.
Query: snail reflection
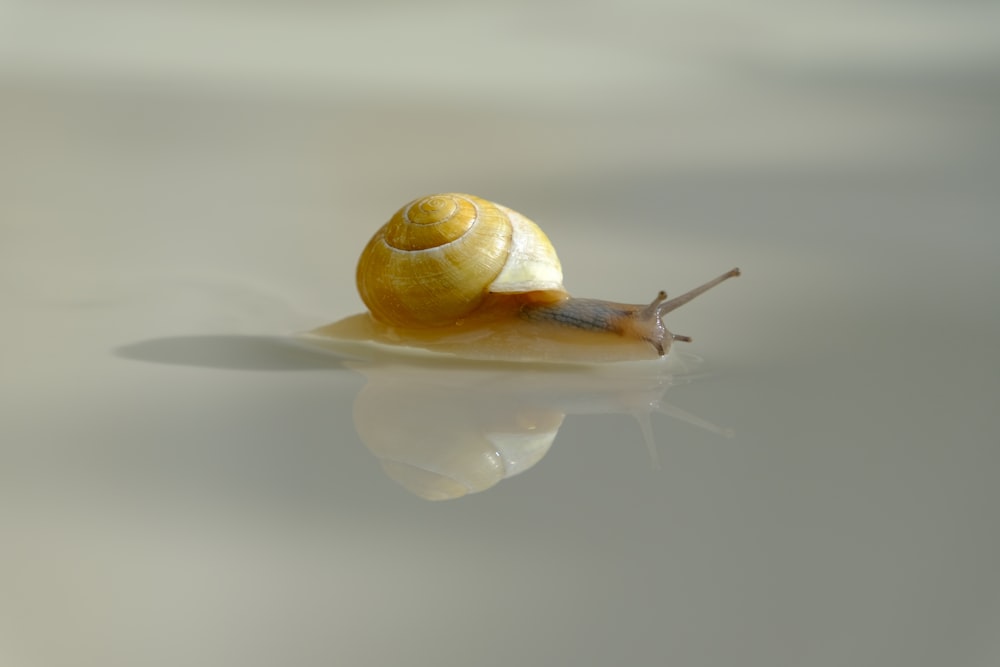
column 460, row 430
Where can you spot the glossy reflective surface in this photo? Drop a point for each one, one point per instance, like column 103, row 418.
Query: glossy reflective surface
column 183, row 481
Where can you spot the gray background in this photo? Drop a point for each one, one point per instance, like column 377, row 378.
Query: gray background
column 183, row 184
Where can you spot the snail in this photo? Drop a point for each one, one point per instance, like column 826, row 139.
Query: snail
column 459, row 274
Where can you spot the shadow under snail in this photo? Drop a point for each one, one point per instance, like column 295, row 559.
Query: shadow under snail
column 458, row 274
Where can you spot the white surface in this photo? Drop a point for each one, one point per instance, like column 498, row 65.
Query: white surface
column 184, row 184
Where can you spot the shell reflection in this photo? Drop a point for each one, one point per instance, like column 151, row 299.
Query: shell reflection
column 459, row 430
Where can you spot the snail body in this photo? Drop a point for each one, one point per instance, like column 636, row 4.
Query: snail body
column 456, row 273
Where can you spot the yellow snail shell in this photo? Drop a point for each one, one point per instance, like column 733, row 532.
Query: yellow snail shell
column 458, row 274
column 435, row 261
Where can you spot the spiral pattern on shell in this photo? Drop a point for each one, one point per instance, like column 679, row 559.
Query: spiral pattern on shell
column 436, row 259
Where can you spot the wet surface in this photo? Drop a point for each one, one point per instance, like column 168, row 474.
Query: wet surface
column 811, row 481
